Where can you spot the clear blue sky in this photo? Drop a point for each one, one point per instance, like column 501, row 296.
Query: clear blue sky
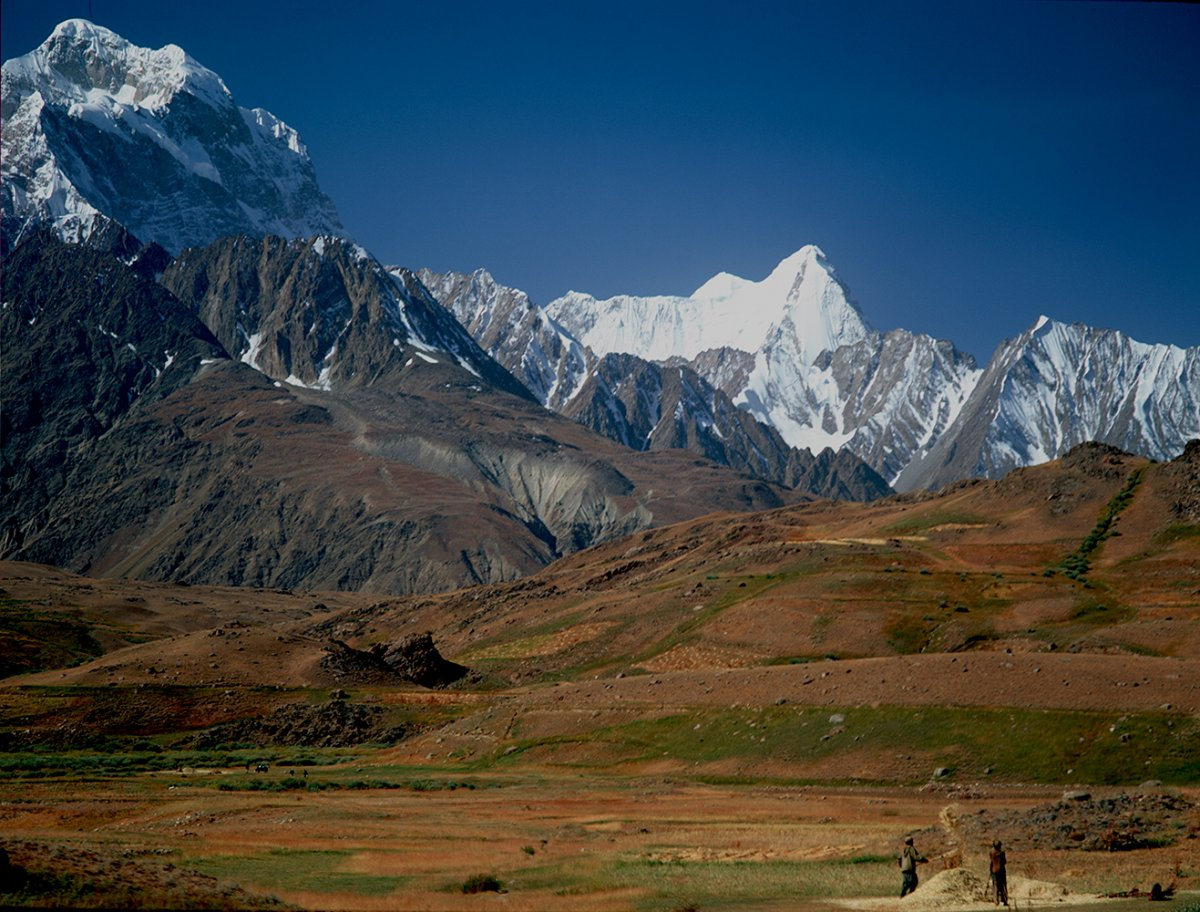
column 965, row 165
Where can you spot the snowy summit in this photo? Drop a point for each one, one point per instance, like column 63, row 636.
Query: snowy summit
column 802, row 298
column 96, row 126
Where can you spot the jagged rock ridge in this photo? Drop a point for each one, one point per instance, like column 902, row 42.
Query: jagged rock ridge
column 321, row 312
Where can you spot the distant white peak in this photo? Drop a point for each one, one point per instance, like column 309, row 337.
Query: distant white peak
column 722, row 285
column 799, row 261
column 789, row 269
column 800, row 306
column 1042, row 320
column 80, row 58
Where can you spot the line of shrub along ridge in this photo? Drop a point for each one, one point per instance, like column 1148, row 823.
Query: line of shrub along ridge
column 1078, row 563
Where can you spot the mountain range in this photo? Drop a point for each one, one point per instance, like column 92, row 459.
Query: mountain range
column 135, row 444
column 795, row 351
column 250, row 397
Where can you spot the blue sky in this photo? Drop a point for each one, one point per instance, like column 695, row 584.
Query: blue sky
column 966, row 166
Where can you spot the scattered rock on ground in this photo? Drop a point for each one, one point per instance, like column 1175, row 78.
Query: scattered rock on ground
column 337, row 723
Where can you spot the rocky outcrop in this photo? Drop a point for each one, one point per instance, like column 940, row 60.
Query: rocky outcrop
column 337, row 723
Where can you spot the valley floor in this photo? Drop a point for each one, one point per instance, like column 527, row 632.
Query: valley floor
column 352, row 829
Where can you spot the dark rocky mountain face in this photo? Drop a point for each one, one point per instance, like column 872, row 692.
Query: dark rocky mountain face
column 86, row 340
column 649, row 406
column 321, row 312
column 135, row 446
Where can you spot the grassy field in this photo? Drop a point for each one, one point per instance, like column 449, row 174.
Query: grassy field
column 767, row 808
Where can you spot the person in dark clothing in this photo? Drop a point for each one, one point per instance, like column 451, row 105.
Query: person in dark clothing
column 909, row 859
column 997, row 865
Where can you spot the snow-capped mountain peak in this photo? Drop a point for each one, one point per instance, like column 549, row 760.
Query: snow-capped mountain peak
column 151, row 139
column 91, row 65
column 1057, row 385
column 722, row 285
column 794, row 351
column 801, row 299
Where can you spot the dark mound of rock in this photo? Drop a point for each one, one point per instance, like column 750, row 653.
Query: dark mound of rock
column 337, row 723
column 1183, row 475
column 1114, row 823
column 412, row 658
column 1097, row 460
column 415, row 658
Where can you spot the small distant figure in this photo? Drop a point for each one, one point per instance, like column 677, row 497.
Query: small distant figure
column 997, row 866
column 1159, row 893
column 909, row 859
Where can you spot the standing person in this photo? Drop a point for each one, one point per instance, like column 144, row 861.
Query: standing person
column 998, row 864
column 909, row 858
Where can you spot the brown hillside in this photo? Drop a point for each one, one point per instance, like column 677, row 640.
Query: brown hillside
column 974, row 569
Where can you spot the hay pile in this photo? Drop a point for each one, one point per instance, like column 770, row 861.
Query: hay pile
column 950, row 889
column 959, row 888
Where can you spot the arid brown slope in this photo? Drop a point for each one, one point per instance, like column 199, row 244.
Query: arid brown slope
column 973, row 570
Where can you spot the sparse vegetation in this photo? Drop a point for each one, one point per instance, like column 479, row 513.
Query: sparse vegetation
column 1000, row 744
column 931, row 519
column 1076, row 565
column 481, row 883
column 287, row 870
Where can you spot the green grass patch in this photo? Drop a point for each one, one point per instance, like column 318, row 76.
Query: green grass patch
column 118, row 762
column 668, row 883
column 1176, row 533
column 281, row 870
column 1001, row 744
column 931, row 520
